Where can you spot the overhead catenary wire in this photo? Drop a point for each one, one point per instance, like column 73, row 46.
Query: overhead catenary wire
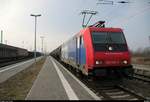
column 113, row 3
column 115, row 9
column 126, row 19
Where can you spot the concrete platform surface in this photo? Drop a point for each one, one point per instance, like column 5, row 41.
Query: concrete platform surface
column 10, row 70
column 54, row 82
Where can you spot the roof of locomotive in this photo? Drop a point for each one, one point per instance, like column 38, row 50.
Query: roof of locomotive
column 102, row 29
column 81, row 32
column 105, row 29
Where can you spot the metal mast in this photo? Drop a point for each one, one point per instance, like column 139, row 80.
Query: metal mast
column 87, row 12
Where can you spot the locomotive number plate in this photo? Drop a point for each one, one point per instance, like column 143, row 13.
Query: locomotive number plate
column 111, row 62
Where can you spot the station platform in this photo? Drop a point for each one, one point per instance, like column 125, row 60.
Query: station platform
column 11, row 70
column 54, row 82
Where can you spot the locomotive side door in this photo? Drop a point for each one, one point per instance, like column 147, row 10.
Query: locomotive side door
column 78, row 50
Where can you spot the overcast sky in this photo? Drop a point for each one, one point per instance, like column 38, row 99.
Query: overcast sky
column 60, row 20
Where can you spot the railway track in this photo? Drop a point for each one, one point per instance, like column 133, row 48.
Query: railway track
column 117, row 93
column 141, row 78
column 142, row 73
column 111, row 90
column 107, row 89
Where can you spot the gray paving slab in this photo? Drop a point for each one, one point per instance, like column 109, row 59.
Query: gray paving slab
column 47, row 86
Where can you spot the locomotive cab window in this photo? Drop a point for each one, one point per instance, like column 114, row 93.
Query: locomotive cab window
column 116, row 37
column 99, row 37
column 111, row 37
column 102, row 41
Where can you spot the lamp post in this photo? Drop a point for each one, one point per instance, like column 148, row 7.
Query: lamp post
column 1, row 36
column 35, row 34
column 6, row 42
column 149, row 41
column 42, row 38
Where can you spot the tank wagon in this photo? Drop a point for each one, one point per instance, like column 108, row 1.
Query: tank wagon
column 56, row 53
column 97, row 51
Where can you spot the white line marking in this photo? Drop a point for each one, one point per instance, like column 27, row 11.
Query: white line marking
column 85, row 87
column 70, row 93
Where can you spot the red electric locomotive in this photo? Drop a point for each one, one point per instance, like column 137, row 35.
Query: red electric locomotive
column 106, row 51
column 97, row 51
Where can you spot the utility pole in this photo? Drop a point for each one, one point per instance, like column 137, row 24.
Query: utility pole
column 87, row 12
column 45, row 49
column 149, row 41
column 22, row 44
column 1, row 36
column 42, row 39
column 6, row 42
column 35, row 34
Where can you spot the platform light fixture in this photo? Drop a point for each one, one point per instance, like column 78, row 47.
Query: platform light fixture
column 38, row 15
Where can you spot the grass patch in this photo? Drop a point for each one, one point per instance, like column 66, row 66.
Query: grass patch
column 18, row 86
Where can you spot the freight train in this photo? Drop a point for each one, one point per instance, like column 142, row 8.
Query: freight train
column 9, row 53
column 97, row 51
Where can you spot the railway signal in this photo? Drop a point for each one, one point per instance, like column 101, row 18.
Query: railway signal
column 87, row 12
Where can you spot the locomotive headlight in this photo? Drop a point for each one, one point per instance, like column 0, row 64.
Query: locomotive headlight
column 125, row 62
column 99, row 62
